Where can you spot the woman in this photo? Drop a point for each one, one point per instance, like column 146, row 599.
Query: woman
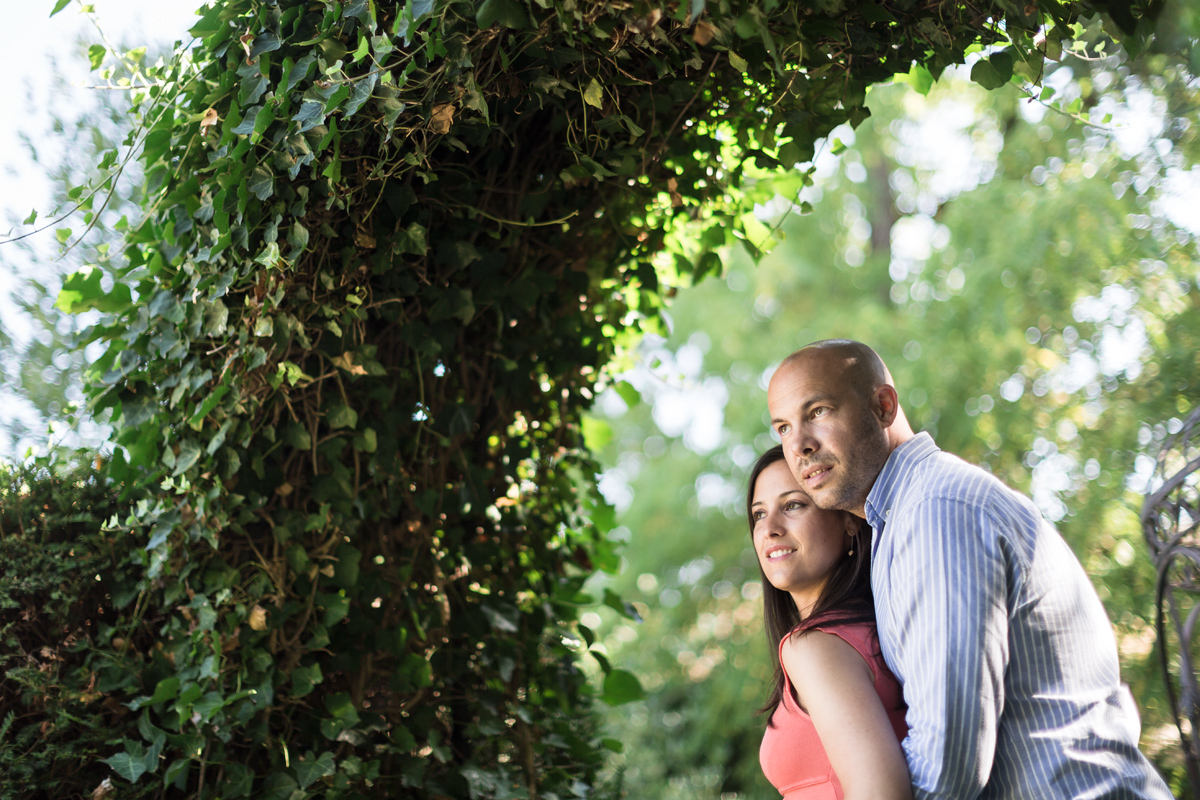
column 837, row 716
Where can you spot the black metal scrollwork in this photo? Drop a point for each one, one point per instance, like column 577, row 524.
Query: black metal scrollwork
column 1171, row 524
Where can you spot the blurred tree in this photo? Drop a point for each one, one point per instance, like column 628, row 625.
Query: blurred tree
column 41, row 372
column 1029, row 274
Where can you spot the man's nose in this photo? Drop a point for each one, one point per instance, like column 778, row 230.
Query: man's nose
column 802, row 444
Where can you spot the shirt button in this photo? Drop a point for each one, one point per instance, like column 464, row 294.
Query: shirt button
column 887, row 513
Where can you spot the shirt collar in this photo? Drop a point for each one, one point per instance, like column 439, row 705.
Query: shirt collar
column 882, row 496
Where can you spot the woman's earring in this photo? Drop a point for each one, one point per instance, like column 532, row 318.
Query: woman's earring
column 851, row 551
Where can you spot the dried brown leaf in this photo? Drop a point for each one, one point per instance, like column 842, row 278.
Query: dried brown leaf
column 673, row 189
column 346, row 361
column 648, row 22
column 103, row 790
column 210, row 119
column 703, row 33
column 442, row 118
column 258, row 618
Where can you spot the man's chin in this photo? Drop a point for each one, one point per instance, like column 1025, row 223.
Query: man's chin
column 827, row 497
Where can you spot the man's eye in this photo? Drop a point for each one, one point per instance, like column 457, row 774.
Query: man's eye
column 782, row 429
column 819, row 411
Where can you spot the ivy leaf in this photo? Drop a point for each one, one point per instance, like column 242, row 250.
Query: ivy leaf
column 360, row 94
column 96, row 55
column 596, row 433
column 310, row 771
column 261, row 182
column 210, row 402
column 391, row 110
column 298, row 236
column 345, row 571
column 621, row 687
column 627, row 610
column 366, row 442
column 189, row 454
column 594, row 95
column 59, row 6
column 341, row 706
column 264, row 42
column 503, row 618
column 310, row 115
column 342, row 416
column 167, row 689
column 505, row 13
column 178, row 767
column 246, row 126
column 216, row 318
column 82, row 291
column 239, row 780
column 919, row 78
column 481, row 783
column 994, row 71
column 628, row 393
column 128, row 766
column 305, row 678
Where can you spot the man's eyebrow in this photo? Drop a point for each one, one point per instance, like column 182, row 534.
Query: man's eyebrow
column 818, row 398
column 807, row 404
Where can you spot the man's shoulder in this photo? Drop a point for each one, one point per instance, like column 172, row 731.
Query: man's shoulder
column 944, row 478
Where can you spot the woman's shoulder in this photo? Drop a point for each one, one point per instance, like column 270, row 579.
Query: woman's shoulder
column 833, row 643
column 846, row 645
column 815, row 659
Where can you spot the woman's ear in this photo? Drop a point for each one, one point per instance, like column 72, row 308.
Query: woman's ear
column 853, row 524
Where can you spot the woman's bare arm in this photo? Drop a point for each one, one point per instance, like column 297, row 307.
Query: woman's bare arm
column 836, row 687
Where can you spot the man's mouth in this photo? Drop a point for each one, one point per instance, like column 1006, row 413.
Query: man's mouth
column 815, row 473
column 780, row 553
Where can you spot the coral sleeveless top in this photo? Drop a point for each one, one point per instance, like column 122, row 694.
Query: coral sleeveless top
column 791, row 754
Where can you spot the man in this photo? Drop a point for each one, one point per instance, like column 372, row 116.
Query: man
column 1007, row 658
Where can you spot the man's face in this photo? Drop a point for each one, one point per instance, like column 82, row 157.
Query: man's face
column 833, row 443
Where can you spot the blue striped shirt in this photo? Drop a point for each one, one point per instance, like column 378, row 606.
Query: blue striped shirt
column 1007, row 658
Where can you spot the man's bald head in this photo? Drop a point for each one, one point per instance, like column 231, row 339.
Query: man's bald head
column 859, row 366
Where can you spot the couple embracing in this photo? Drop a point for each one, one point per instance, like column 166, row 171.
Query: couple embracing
column 934, row 636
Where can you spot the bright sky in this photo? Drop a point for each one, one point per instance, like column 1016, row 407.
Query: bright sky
column 31, row 38
column 42, row 45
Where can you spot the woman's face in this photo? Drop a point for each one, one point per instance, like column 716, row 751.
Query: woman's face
column 797, row 543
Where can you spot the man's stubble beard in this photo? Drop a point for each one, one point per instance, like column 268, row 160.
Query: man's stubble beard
column 870, row 453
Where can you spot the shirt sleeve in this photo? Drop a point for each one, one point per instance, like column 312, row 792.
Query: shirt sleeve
column 948, row 608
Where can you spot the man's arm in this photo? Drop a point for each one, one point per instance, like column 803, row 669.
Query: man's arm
column 949, row 626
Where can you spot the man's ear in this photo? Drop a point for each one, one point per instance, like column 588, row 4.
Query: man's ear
column 886, row 405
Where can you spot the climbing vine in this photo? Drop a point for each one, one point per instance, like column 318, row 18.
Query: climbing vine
column 387, row 251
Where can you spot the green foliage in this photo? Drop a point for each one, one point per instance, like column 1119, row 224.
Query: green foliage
column 388, row 251
column 66, row 657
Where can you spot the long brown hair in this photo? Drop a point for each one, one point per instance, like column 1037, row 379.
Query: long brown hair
column 845, row 598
